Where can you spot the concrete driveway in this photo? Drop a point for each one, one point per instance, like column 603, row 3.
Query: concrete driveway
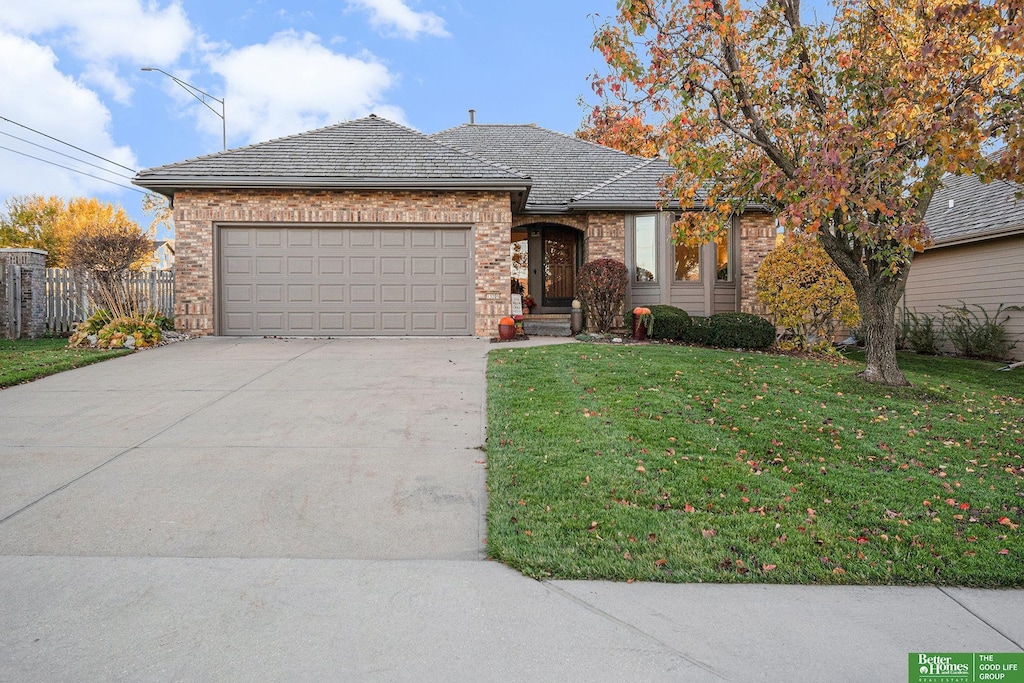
column 218, row 447
column 250, row 510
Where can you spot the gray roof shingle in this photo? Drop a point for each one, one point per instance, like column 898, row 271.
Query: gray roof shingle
column 561, row 167
column 367, row 152
column 978, row 210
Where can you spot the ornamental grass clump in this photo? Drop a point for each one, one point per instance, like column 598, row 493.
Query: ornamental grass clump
column 601, row 288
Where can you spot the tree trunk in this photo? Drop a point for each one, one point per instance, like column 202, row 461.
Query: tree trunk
column 878, row 294
column 878, row 322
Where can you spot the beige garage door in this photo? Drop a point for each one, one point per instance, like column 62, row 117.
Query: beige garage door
column 345, row 281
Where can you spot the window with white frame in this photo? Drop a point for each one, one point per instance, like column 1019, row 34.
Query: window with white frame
column 645, row 248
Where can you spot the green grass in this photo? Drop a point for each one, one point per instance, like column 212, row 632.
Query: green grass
column 27, row 359
column 672, row 463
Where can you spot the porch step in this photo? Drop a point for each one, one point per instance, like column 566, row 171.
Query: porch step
column 547, row 326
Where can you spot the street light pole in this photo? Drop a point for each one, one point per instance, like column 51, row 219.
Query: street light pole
column 202, row 96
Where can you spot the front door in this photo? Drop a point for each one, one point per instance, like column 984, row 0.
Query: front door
column 560, row 256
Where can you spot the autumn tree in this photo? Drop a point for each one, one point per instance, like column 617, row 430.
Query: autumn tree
column 843, row 127
column 52, row 224
column 616, row 127
column 30, row 223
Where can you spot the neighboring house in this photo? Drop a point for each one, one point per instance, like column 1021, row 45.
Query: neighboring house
column 977, row 254
column 163, row 255
column 371, row 228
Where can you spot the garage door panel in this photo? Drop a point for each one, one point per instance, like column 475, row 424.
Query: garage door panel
column 454, row 238
column 241, row 265
column 424, row 265
column 362, row 238
column 331, row 294
column 363, row 323
column 424, row 238
column 390, row 294
column 362, row 294
column 454, row 266
column 331, row 265
column 424, row 294
column 269, row 294
column 269, row 265
column 300, row 265
column 362, row 265
column 271, row 237
column 392, row 265
column 345, row 281
column 393, row 238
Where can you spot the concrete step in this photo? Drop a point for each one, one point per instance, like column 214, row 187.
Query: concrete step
column 545, row 327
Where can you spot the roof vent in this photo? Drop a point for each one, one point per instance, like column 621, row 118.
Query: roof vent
column 472, row 116
column 950, row 204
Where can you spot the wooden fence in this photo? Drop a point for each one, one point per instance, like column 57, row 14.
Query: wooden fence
column 67, row 303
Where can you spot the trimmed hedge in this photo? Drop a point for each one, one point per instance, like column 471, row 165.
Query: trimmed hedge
column 700, row 330
column 669, row 322
column 741, row 330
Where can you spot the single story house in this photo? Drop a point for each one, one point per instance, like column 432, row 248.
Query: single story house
column 976, row 255
column 371, row 228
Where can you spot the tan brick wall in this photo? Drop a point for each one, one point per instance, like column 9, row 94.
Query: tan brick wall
column 196, row 212
column 604, row 232
column 757, row 238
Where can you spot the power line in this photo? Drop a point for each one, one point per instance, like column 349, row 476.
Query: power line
column 21, row 125
column 81, row 161
column 75, row 170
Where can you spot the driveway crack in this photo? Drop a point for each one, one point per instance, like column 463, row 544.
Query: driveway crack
column 979, row 617
column 633, row 629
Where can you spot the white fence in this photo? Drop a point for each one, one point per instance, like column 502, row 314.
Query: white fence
column 66, row 302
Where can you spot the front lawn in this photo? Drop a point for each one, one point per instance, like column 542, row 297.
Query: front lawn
column 28, row 359
column 672, row 463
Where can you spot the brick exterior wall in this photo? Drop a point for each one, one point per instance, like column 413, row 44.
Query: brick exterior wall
column 196, row 212
column 32, row 264
column 604, row 232
column 757, row 238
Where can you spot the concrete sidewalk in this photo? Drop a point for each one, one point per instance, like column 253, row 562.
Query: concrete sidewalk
column 258, row 510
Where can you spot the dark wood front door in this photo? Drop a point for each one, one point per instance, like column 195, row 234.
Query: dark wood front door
column 560, row 255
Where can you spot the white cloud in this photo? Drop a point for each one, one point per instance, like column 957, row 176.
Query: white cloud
column 103, row 32
column 294, row 83
column 397, row 17
column 36, row 94
column 100, row 30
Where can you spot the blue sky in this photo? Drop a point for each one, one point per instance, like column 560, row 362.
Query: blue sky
column 71, row 69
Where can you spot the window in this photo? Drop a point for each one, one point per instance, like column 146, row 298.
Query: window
column 645, row 248
column 687, row 263
column 723, row 263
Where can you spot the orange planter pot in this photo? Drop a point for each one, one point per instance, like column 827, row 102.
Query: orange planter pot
column 506, row 329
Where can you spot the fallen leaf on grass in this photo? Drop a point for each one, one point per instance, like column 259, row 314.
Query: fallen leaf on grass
column 627, row 556
column 1004, row 551
column 1005, row 521
column 660, row 563
column 708, row 533
column 592, row 527
column 768, row 567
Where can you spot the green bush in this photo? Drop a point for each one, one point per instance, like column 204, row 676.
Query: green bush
column 699, row 331
column 116, row 333
column 163, row 322
column 741, row 330
column 669, row 322
column 977, row 336
column 922, row 333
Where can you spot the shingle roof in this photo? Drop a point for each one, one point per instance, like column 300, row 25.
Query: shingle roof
column 639, row 187
column 978, row 210
column 561, row 167
column 367, row 152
